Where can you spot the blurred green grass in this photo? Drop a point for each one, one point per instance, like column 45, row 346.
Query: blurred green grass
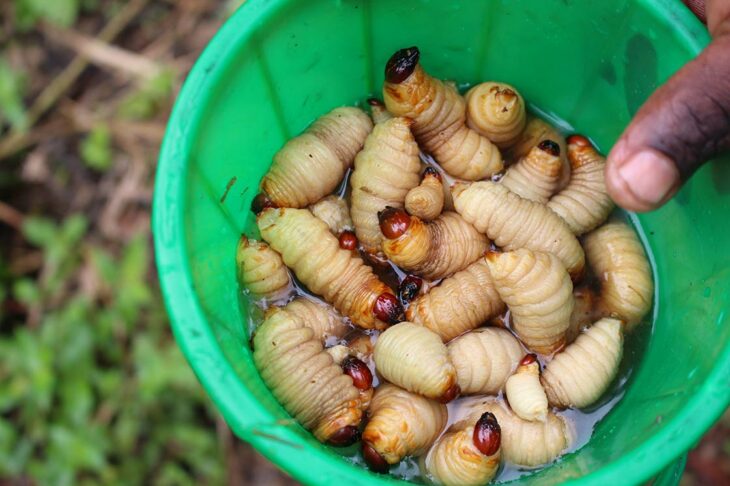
column 93, row 389
column 96, row 391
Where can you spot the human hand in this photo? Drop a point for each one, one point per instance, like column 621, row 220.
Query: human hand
column 684, row 123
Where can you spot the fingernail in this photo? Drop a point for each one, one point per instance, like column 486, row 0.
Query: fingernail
column 650, row 176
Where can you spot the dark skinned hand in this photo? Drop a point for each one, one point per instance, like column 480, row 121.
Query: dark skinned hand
column 683, row 124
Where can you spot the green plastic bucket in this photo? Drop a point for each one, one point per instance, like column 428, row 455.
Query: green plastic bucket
column 278, row 64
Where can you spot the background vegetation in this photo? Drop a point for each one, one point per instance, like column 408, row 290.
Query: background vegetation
column 93, row 389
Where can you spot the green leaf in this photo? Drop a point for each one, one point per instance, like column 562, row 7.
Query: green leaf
column 26, row 377
column 89, row 5
column 25, row 15
column 149, row 98
column 39, row 231
column 8, row 438
column 108, row 383
column 80, row 447
column 126, row 430
column 135, row 261
column 12, row 109
column 96, row 148
column 173, row 475
column 135, row 294
column 104, row 265
column 26, row 291
column 61, row 12
column 76, row 398
column 62, row 250
column 15, row 460
column 74, row 228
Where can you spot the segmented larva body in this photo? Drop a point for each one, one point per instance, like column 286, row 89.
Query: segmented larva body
column 361, row 377
column 334, row 212
column 536, row 131
column 386, row 169
column 496, row 111
column 340, row 277
column 401, row 424
column 378, row 112
column 468, row 454
column 366, row 397
column 584, row 204
column 459, row 303
column 539, row 294
column 320, row 318
column 338, row 352
column 580, row 374
column 432, row 250
column 484, row 359
column 528, row 443
column 355, row 367
column 414, row 358
column 584, row 312
column 524, row 391
column 260, row 269
column 426, row 201
column 513, row 222
column 537, row 174
column 616, row 256
column 304, row 379
column 311, row 165
column 362, row 347
column 445, row 185
column 439, row 116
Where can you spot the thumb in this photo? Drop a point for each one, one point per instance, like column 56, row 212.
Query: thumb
column 683, row 124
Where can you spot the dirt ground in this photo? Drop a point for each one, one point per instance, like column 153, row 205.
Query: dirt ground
column 85, row 93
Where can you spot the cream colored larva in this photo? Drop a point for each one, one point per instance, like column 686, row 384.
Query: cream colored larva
column 385, row 170
column 527, row 443
column 261, row 270
column 314, row 254
column 338, row 352
column 539, row 294
column 439, row 118
column 580, row 374
column 378, row 111
column 618, row 259
column 536, row 131
column 319, row 317
column 537, row 174
column 459, row 303
column 334, row 212
column 362, row 346
column 311, row 165
column 432, row 250
column 584, row 203
column 513, row 222
column 400, row 424
column 484, row 359
column 468, row 454
column 525, row 393
column 414, row 358
column 496, row 111
column 427, row 200
column 304, row 379
column 584, row 313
